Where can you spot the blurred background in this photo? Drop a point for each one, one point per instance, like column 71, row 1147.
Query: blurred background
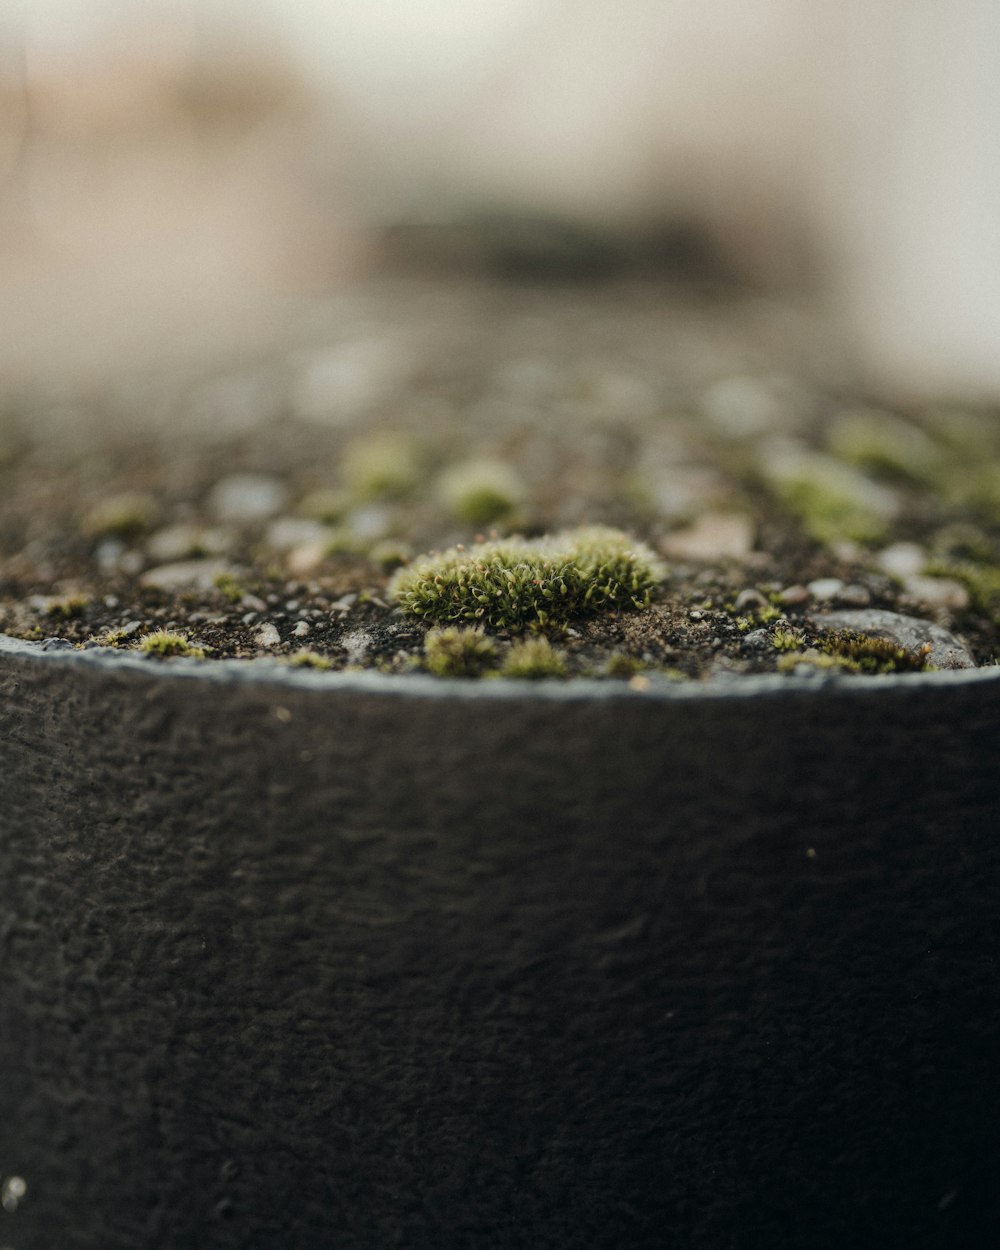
column 186, row 180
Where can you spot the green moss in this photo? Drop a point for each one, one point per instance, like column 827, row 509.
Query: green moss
column 833, row 501
column 787, row 640
column 114, row 638
column 620, row 664
column 457, row 651
column 885, row 443
column 126, row 516
column 164, row 643
column 534, row 658
column 229, row 586
column 305, row 658
column 390, row 553
column 71, row 607
column 479, row 492
column 515, row 584
column 862, row 653
column 381, row 466
column 324, row 505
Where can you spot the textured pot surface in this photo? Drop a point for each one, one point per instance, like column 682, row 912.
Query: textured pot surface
column 295, row 960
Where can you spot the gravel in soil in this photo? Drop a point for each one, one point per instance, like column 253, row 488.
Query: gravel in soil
column 261, row 509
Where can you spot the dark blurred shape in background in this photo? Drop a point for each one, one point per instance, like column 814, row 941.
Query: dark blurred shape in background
column 179, row 180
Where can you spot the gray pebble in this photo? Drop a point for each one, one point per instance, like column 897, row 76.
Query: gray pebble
column 246, row 497
column 908, row 631
column 749, row 599
column 825, row 588
column 186, row 575
column 854, row 596
column 267, row 636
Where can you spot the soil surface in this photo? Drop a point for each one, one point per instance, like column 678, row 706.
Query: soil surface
column 260, row 508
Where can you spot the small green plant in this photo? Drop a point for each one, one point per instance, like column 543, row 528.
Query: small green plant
column 786, row 640
column 885, row 443
column 481, row 491
column 69, row 608
column 164, row 643
column 534, row 658
column 229, row 586
column 305, row 658
column 383, row 465
column 125, row 516
column 620, row 664
column 514, row 584
column 831, row 499
column 114, row 638
column 459, row 651
column 862, row 653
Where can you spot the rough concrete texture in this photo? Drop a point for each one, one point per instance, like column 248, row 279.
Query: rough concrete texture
column 308, row 961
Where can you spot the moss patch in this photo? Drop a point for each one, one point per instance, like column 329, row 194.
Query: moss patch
column 516, row 584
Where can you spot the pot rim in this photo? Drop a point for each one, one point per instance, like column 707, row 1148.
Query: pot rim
column 272, row 672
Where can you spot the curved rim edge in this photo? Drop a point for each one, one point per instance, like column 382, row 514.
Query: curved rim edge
column 273, row 672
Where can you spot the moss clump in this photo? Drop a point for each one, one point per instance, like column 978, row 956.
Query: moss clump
column 534, row 658
column 481, row 491
column 458, row 651
column 126, row 516
column 381, row 466
column 114, row 638
column 787, row 639
column 885, row 443
column 515, row 584
column 862, row 653
column 622, row 665
column 832, row 500
column 70, row 608
column 308, row 659
column 229, row 587
column 164, row 643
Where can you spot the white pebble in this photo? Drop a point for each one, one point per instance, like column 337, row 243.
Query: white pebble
column 267, row 636
column 825, row 588
column 244, row 497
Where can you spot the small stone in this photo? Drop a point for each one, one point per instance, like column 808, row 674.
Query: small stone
column 184, row 540
column 369, row 523
column 246, row 497
column 757, row 640
column 56, row 644
column 825, row 588
column 902, row 559
column 938, row 592
column 267, row 636
column 286, row 533
column 108, row 555
column 906, row 631
column 301, row 630
column 187, row 575
column 306, row 559
column 742, row 406
column 854, row 596
column 794, row 596
column 749, row 599
column 715, row 536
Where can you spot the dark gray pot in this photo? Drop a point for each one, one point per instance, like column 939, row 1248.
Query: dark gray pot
column 298, row 960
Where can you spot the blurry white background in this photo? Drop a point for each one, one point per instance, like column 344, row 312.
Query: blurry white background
column 176, row 177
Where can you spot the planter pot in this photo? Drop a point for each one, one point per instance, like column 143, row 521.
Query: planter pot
column 303, row 960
